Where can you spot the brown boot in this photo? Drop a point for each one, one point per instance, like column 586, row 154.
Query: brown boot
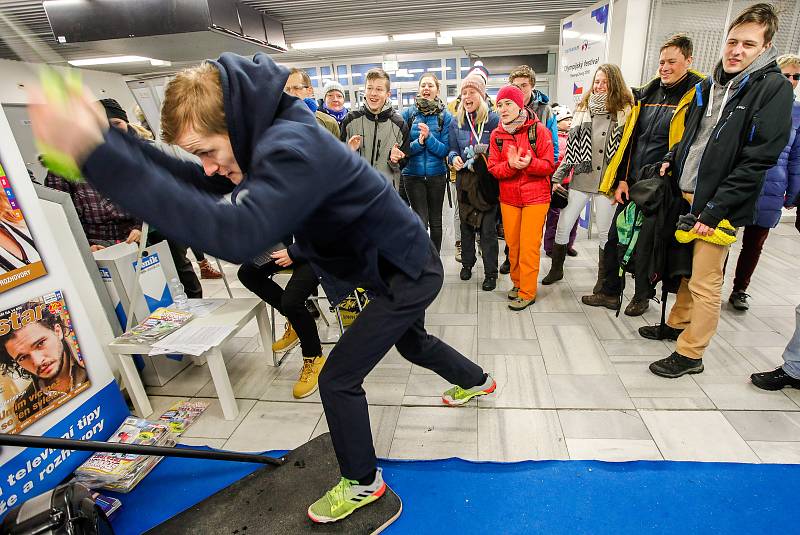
column 601, row 273
column 601, row 300
column 207, row 271
column 557, row 268
column 637, row 307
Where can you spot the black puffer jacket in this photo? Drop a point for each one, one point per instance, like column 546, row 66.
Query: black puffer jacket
column 745, row 143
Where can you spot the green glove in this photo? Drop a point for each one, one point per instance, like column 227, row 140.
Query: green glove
column 56, row 91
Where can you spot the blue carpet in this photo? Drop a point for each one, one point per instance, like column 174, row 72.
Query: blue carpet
column 552, row 497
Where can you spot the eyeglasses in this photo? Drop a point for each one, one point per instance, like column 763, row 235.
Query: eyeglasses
column 794, row 77
column 290, row 88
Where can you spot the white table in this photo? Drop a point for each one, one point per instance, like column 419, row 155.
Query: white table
column 236, row 313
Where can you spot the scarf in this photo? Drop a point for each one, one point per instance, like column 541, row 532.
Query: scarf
column 338, row 115
column 311, row 103
column 579, row 142
column 429, row 107
column 597, row 103
column 515, row 124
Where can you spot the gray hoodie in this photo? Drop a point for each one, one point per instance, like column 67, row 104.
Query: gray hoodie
column 719, row 95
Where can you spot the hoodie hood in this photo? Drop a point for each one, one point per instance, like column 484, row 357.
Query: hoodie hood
column 252, row 91
column 766, row 57
column 384, row 115
column 538, row 96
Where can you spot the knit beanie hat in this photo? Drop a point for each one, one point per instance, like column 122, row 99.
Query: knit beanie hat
column 332, row 85
column 477, row 79
column 480, row 70
column 562, row 112
column 114, row 110
column 512, row 93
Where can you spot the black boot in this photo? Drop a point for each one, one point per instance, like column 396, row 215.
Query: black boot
column 601, row 273
column 557, row 268
column 505, row 267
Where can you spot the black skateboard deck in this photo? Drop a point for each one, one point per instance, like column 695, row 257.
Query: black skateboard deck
column 276, row 499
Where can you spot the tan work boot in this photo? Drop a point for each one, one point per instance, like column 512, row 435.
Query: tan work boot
column 287, row 341
column 207, row 271
column 307, row 383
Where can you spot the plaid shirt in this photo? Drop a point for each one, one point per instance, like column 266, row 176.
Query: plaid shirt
column 102, row 221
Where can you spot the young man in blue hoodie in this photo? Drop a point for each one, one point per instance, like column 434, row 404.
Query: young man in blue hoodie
column 287, row 175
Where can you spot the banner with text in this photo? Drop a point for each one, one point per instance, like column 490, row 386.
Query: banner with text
column 581, row 51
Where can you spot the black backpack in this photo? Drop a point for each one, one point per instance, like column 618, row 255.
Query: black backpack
column 532, row 133
column 413, row 116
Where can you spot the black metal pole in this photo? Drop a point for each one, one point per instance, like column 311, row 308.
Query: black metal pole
column 136, row 449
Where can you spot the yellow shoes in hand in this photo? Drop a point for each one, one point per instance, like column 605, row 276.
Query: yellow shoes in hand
column 307, row 383
column 724, row 234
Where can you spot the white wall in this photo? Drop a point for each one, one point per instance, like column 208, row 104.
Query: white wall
column 629, row 22
column 16, row 76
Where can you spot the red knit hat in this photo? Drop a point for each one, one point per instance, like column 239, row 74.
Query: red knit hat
column 512, row 93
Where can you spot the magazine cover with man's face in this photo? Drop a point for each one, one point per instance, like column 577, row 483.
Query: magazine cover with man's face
column 19, row 258
column 41, row 366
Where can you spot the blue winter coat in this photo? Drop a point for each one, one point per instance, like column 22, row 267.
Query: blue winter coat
column 298, row 180
column 461, row 136
column 782, row 182
column 428, row 159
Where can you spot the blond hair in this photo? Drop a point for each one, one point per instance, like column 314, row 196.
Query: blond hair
column 619, row 95
column 481, row 114
column 193, row 99
column 789, row 60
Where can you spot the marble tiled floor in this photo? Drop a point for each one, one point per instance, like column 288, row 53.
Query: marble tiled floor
column 572, row 381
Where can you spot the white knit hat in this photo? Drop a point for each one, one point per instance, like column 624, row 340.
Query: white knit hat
column 562, row 112
column 332, row 85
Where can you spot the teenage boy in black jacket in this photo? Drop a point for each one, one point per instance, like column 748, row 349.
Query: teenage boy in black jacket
column 660, row 104
column 288, row 176
column 735, row 131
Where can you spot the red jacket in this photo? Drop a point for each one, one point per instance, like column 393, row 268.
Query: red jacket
column 523, row 187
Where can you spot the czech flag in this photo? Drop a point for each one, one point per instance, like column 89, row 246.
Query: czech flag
column 576, row 89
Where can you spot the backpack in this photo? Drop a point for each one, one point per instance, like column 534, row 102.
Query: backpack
column 629, row 225
column 413, row 116
column 532, row 133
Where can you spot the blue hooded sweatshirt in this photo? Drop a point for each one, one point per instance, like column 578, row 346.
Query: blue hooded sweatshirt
column 298, row 180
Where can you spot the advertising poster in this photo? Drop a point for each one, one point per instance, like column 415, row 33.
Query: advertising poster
column 581, row 51
column 20, row 261
column 41, row 365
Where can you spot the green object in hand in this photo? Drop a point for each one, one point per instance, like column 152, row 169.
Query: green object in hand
column 56, row 91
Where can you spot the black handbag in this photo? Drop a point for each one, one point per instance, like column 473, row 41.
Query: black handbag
column 559, row 198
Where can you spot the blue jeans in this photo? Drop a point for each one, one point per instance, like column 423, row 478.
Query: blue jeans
column 791, row 356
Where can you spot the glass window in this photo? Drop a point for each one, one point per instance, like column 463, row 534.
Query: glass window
column 359, row 70
column 341, row 75
column 451, row 69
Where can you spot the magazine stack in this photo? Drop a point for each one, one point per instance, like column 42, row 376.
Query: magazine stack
column 121, row 472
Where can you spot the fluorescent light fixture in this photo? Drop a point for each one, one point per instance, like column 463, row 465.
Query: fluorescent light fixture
column 336, row 43
column 444, row 40
column 489, row 32
column 160, row 63
column 417, row 71
column 109, row 60
column 414, row 36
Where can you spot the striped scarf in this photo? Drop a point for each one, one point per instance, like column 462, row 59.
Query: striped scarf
column 579, row 142
column 517, row 123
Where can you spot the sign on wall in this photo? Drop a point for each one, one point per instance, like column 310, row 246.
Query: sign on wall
column 55, row 378
column 582, row 49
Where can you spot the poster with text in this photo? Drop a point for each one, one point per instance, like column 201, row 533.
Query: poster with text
column 581, row 51
column 41, row 365
column 20, row 261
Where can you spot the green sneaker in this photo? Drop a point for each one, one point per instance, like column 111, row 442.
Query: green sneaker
column 344, row 498
column 459, row 396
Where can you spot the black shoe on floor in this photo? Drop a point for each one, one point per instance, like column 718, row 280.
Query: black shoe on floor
column 572, row 252
column 466, row 273
column 676, row 365
column 489, row 283
column 505, row 267
column 652, row 332
column 739, row 300
column 774, row 380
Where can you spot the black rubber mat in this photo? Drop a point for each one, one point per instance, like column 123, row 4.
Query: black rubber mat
column 275, row 500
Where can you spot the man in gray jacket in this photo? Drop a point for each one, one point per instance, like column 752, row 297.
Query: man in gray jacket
column 376, row 131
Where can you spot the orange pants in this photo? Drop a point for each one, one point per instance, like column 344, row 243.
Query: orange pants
column 524, row 228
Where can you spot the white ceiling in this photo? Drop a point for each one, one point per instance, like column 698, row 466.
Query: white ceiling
column 311, row 20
